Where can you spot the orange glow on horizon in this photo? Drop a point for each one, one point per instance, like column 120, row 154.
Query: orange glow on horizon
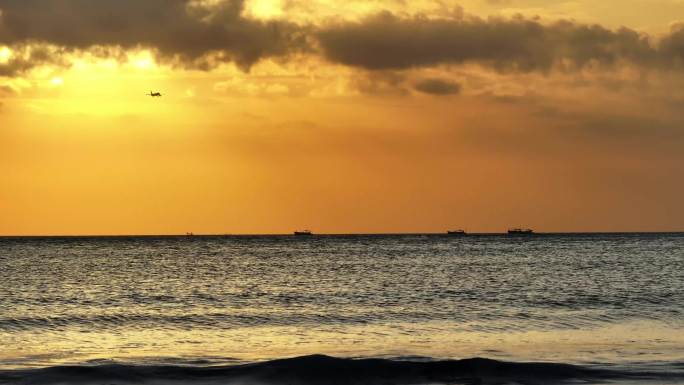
column 304, row 141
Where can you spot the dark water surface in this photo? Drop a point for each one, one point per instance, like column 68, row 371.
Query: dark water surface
column 606, row 307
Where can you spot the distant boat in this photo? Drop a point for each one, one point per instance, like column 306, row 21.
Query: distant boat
column 303, row 232
column 457, row 232
column 189, row 234
column 520, row 231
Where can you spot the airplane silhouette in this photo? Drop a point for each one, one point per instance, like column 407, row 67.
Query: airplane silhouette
column 154, row 94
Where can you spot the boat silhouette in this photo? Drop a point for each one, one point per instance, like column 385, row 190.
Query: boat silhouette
column 520, row 231
column 457, row 232
column 303, row 232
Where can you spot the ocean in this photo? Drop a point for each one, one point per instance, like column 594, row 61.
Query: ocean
column 338, row 309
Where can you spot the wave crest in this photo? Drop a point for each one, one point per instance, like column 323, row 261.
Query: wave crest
column 321, row 369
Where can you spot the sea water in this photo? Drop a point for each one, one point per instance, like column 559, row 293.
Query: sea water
column 224, row 309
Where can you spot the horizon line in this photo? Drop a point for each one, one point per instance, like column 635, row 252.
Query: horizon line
column 321, row 234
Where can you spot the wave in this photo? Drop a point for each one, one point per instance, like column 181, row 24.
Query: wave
column 320, row 369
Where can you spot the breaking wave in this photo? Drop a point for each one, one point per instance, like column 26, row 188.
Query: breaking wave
column 320, row 369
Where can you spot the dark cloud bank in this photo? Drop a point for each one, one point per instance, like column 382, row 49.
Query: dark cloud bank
column 385, row 41
column 187, row 32
column 182, row 30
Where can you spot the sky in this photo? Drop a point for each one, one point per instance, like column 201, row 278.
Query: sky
column 362, row 117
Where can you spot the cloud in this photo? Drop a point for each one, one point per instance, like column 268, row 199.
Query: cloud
column 183, row 30
column 672, row 46
column 380, row 83
column 203, row 33
column 24, row 57
column 386, row 41
column 437, row 87
column 6, row 90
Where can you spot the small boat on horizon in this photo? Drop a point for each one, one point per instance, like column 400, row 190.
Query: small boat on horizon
column 457, row 232
column 520, row 231
column 303, row 232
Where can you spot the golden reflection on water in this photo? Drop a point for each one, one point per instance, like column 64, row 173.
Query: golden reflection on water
column 618, row 343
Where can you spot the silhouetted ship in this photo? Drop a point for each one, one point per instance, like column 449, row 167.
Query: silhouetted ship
column 303, row 232
column 189, row 234
column 456, row 232
column 520, row 231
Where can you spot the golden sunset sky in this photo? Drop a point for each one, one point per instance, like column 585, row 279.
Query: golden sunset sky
column 342, row 117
